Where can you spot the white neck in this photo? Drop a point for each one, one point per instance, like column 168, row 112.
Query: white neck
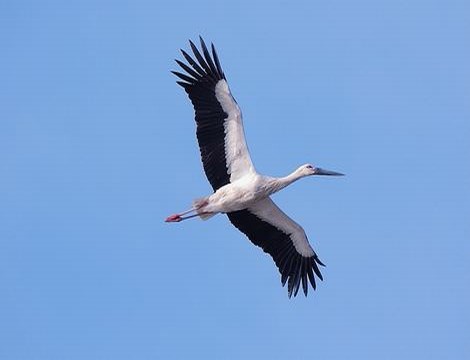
column 276, row 184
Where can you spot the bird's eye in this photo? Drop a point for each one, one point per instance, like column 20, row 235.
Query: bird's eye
column 310, row 167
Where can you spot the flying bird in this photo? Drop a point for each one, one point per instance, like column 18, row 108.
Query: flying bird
column 240, row 191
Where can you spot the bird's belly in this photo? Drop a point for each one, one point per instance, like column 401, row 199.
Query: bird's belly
column 233, row 198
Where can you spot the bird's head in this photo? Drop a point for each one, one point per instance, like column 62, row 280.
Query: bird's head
column 308, row 170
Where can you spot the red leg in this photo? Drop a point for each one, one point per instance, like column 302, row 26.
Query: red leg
column 174, row 218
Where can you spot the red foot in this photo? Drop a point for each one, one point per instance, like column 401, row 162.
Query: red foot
column 173, row 218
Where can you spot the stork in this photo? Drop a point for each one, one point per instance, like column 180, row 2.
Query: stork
column 240, row 191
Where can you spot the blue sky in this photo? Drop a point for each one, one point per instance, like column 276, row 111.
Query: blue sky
column 97, row 147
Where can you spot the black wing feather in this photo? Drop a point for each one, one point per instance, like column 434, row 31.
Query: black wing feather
column 208, row 58
column 217, row 63
column 200, row 80
column 294, row 267
column 186, row 68
column 193, row 63
column 184, row 77
column 201, row 60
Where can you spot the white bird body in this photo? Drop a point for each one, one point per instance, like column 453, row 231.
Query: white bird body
column 235, row 196
column 239, row 190
column 247, row 190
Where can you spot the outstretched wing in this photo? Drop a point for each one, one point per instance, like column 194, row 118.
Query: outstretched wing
column 220, row 133
column 271, row 229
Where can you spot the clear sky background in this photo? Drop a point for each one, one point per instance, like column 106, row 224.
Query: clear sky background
column 97, row 147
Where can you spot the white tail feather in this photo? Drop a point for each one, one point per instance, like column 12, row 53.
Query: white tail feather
column 205, row 216
column 199, row 205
